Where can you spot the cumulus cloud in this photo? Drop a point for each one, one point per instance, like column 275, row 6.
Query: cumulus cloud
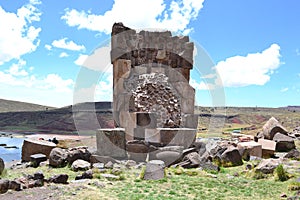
column 284, row 89
column 69, row 45
column 93, row 62
column 17, row 78
column 202, row 85
column 18, row 36
column 253, row 69
column 138, row 14
column 63, row 55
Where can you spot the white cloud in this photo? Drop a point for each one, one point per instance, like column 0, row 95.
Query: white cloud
column 253, row 69
column 63, row 55
column 17, row 69
column 93, row 62
column 299, row 74
column 17, row 35
column 138, row 14
column 48, row 47
column 16, row 80
column 284, row 89
column 201, row 85
column 80, row 60
column 70, row 45
column 297, row 52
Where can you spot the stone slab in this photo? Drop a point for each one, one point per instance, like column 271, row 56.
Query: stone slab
column 253, row 148
column 111, row 142
column 177, row 136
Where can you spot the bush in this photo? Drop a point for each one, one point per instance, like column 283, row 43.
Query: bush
column 281, row 173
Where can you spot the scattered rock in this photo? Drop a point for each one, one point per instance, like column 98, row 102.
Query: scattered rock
column 36, row 159
column 267, row 166
column 85, row 175
column 283, row 142
column 98, row 165
column 230, row 157
column 58, row 157
column 61, row 178
column 209, row 166
column 15, row 185
column 110, row 177
column 272, row 127
column 130, row 163
column 109, row 165
column 78, row 153
column 154, row 170
column 80, row 165
column 4, row 185
column 293, row 154
column 38, row 176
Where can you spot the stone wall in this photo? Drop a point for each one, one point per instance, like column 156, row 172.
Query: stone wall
column 151, row 72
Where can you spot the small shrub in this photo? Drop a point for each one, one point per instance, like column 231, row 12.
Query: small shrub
column 281, row 173
column 143, row 171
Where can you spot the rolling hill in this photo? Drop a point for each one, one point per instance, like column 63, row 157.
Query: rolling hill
column 17, row 106
column 90, row 116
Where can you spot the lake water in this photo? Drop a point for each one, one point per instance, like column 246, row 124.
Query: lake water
column 11, row 154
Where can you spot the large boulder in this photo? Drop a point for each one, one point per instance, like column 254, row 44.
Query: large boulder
column 267, row 166
column 76, row 153
column 169, row 157
column 31, row 146
column 58, row 157
column 2, row 165
column 284, row 143
column 229, row 158
column 154, row 170
column 191, row 160
column 272, row 127
column 80, row 165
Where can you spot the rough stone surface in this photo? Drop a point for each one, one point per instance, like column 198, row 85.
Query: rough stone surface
column 78, row 153
column 111, row 142
column 31, row 147
column 154, row 170
column 15, row 185
column 168, row 157
column 250, row 149
column 36, row 159
column 4, row 185
column 58, row 157
column 272, row 127
column 293, row 154
column 2, row 165
column 61, row 178
column 231, row 157
column 267, row 166
column 283, row 142
column 80, row 165
column 268, row 147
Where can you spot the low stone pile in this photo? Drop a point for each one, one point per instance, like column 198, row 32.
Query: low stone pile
column 30, row 181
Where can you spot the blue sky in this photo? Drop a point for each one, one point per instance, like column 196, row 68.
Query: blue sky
column 254, row 46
